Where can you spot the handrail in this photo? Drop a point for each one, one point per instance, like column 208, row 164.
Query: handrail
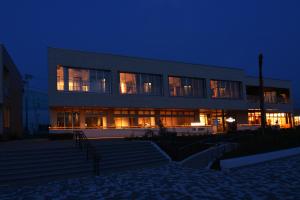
column 91, row 152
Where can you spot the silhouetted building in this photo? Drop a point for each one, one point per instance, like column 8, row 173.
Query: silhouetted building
column 11, row 86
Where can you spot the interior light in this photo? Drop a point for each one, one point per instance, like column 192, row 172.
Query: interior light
column 230, row 120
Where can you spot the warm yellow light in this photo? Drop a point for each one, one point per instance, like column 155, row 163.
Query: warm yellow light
column 85, row 88
column 230, row 120
column 123, row 88
column 70, row 86
column 197, row 124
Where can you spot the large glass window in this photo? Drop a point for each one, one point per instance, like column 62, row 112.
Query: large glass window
column 83, row 80
column 226, row 89
column 270, row 96
column 136, row 83
column 93, row 119
column 176, row 118
column 183, row 86
column 272, row 119
column 68, row 119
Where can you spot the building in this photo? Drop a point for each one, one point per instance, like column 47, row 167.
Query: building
column 11, row 88
column 37, row 111
column 101, row 92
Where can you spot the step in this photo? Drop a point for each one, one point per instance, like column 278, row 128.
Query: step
column 129, row 156
column 122, row 153
column 38, row 178
column 14, row 161
column 133, row 163
column 131, row 167
column 45, row 170
column 7, row 168
column 37, row 151
column 41, row 156
column 123, row 142
column 129, row 161
column 112, row 148
column 122, row 146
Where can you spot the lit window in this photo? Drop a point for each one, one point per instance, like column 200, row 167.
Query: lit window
column 60, row 78
column 128, row 83
column 183, row 86
column 136, row 83
column 226, row 89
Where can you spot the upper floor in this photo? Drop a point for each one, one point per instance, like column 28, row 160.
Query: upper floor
column 89, row 79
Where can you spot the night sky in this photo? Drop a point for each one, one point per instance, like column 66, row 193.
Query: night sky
column 226, row 33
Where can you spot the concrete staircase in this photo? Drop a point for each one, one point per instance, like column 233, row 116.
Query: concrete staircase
column 120, row 155
column 36, row 165
column 26, row 163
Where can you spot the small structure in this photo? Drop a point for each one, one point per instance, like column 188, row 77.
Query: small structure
column 11, row 87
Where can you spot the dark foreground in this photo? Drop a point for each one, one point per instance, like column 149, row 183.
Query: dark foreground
column 279, row 179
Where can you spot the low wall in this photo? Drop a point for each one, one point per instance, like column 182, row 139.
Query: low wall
column 102, row 133
column 258, row 158
column 204, row 158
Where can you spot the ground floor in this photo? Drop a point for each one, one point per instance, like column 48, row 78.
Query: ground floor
column 278, row 179
column 182, row 120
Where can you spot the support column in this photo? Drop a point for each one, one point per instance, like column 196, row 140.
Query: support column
column 223, row 120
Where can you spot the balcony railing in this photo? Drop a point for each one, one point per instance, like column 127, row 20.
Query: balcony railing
column 277, row 100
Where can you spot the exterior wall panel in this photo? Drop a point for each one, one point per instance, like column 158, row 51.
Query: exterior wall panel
column 130, row 64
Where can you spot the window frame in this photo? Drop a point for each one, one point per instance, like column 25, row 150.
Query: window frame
column 66, row 82
column 241, row 90
column 139, row 85
column 188, row 77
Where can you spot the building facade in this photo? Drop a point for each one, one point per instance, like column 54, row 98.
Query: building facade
column 94, row 91
column 11, row 89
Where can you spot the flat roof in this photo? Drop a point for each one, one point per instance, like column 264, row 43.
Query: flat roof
column 150, row 59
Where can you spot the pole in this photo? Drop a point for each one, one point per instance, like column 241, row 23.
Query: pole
column 26, row 107
column 262, row 98
column 27, row 78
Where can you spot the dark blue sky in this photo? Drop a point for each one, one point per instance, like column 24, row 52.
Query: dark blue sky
column 229, row 33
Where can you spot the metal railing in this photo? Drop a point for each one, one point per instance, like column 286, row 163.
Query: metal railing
column 91, row 152
column 272, row 100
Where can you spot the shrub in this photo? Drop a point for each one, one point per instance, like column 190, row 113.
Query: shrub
column 162, row 129
column 149, row 133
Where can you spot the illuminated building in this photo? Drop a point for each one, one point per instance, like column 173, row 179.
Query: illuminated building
column 96, row 91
